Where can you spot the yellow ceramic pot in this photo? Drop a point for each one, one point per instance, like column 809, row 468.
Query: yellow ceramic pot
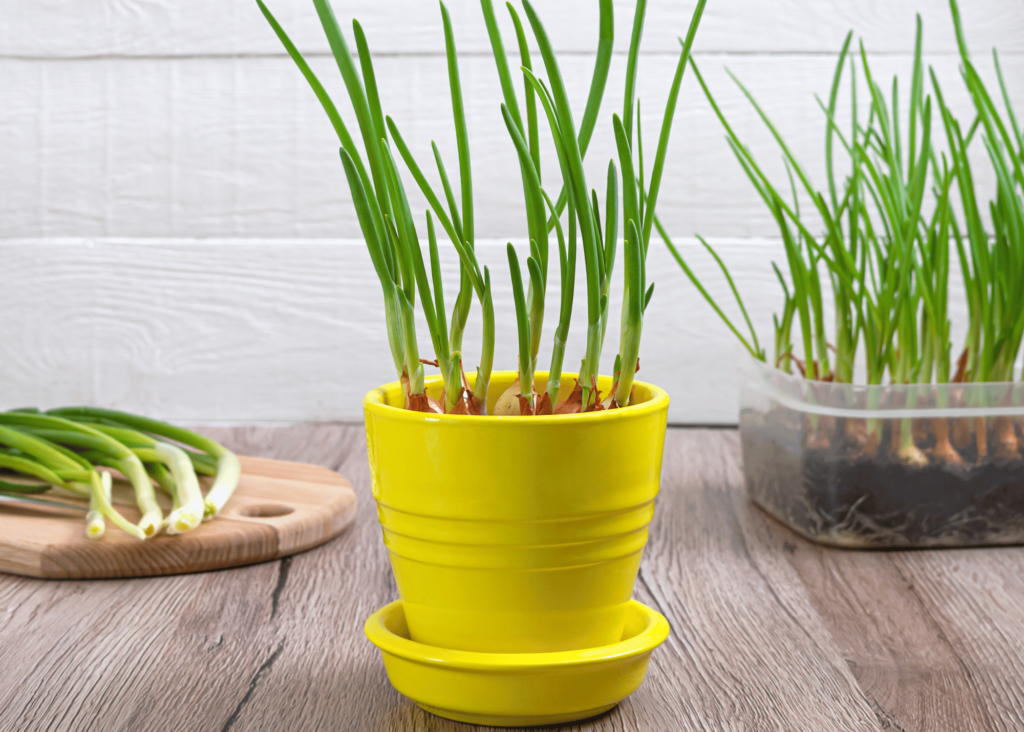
column 515, row 534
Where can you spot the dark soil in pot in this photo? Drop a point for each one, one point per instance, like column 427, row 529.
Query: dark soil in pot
column 813, row 477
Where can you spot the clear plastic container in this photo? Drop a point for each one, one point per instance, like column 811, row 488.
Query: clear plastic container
column 885, row 466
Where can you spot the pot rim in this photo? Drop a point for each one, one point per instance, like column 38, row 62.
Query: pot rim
column 655, row 631
column 373, row 403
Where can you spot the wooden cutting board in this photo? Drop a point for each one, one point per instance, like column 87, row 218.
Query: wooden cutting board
column 279, row 508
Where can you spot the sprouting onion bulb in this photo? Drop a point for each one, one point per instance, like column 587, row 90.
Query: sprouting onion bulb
column 389, row 226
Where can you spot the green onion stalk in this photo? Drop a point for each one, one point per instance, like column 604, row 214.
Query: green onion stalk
column 62, row 468
column 381, row 205
column 996, row 283
column 162, row 477
column 850, row 249
column 838, row 251
column 803, row 256
column 899, row 197
column 144, row 448
column 597, row 250
column 189, row 508
column 567, row 269
column 933, row 277
column 885, row 249
column 23, row 466
column 101, row 450
column 68, row 432
column 460, row 230
column 511, row 402
column 560, row 120
column 896, row 301
column 389, row 230
column 609, row 240
column 227, row 471
column 530, row 324
column 574, row 402
column 478, row 282
column 886, row 258
column 529, row 163
column 64, row 447
column 95, row 526
column 783, row 326
column 519, row 399
column 599, row 79
column 144, row 445
column 974, row 263
column 538, row 203
column 468, row 237
column 639, row 210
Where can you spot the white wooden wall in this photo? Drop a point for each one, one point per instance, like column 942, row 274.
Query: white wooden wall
column 176, row 235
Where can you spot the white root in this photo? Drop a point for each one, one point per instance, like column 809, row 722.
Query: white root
column 95, row 526
column 145, row 497
column 190, row 513
column 229, row 470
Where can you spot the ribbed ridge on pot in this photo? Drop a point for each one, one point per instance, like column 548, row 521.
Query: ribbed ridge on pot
column 516, row 544
column 549, row 556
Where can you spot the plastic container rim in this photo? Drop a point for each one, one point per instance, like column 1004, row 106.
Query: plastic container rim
column 770, row 382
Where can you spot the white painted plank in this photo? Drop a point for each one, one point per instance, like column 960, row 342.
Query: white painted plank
column 239, row 147
column 221, row 330
column 58, row 29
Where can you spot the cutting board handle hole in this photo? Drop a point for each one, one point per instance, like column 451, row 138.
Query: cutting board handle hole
column 265, row 510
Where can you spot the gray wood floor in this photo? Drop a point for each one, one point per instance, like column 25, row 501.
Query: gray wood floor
column 769, row 632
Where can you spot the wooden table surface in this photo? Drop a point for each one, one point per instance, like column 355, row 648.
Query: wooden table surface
column 769, row 632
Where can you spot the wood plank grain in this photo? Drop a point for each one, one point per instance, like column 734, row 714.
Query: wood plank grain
column 291, row 330
column 746, row 649
column 157, row 653
column 931, row 637
column 239, row 147
column 147, row 653
column 934, row 639
column 900, row 657
column 769, row 631
column 192, row 27
column 325, row 657
column 974, row 601
column 685, row 688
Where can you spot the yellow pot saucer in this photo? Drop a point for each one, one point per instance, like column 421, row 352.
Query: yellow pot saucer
column 516, row 689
